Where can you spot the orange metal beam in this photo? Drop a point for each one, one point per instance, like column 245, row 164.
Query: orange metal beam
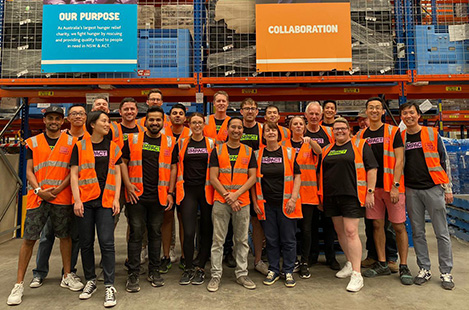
column 96, row 81
column 442, row 77
column 449, row 91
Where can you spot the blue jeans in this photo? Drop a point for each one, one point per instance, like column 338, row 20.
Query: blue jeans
column 280, row 233
column 45, row 248
column 101, row 219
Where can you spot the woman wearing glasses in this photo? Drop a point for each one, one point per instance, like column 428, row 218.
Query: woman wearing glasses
column 193, row 190
column 347, row 183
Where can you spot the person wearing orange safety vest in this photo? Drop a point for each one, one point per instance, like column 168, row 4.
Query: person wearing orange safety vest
column 96, row 180
column 216, row 124
column 346, row 185
column 194, row 191
column 177, row 116
column 272, row 114
column 154, row 98
column 128, row 110
column 277, row 202
column 323, row 135
column 386, row 143
column 149, row 175
column 427, row 189
column 47, row 172
column 232, row 174
column 77, row 118
column 307, row 151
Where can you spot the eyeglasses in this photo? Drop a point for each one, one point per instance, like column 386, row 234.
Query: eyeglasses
column 377, row 108
column 75, row 114
column 154, row 99
column 197, row 123
column 249, row 109
column 340, row 129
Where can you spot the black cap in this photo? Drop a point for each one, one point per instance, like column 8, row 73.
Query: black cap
column 54, row 109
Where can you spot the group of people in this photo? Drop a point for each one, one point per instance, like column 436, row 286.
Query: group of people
column 234, row 172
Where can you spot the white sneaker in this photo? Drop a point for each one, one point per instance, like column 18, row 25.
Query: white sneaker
column 75, row 276
column 345, row 272
column 356, row 282
column 16, row 295
column 89, row 290
column 71, row 283
column 110, row 297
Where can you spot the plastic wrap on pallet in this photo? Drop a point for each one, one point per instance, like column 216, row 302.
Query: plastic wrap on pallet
column 239, row 15
column 146, row 16
column 370, row 5
column 458, row 153
column 178, row 17
column 239, row 57
column 23, row 11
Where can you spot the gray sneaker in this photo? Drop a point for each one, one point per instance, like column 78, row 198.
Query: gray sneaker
column 377, row 270
column 246, row 282
column 132, row 285
column 71, row 283
column 214, row 284
column 423, row 277
column 447, row 281
column 36, row 282
column 261, row 267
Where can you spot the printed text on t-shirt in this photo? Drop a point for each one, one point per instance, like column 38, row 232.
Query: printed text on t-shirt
column 271, row 160
column 413, row 145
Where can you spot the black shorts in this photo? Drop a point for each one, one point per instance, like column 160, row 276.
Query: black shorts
column 346, row 206
column 60, row 215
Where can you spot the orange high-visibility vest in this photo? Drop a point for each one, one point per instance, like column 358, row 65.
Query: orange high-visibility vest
column 210, row 144
column 186, row 132
column 210, row 129
column 429, row 138
column 166, row 122
column 288, row 165
column 240, row 172
column 118, row 135
column 308, row 163
column 285, row 133
column 164, row 165
column 50, row 167
column 357, row 145
column 389, row 158
column 87, row 178
column 329, row 133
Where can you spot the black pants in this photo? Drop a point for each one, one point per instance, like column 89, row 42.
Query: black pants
column 318, row 219
column 143, row 215
column 100, row 219
column 391, row 245
column 194, row 196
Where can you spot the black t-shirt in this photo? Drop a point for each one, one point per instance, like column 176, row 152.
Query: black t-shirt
column 375, row 140
column 50, row 141
column 339, row 174
column 251, row 137
column 233, row 153
column 218, row 123
column 320, row 137
column 296, row 145
column 126, row 131
column 195, row 162
column 327, row 125
column 273, row 172
column 150, row 159
column 416, row 173
column 101, row 159
column 176, row 135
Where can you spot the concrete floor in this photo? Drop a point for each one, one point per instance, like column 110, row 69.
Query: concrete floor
column 321, row 291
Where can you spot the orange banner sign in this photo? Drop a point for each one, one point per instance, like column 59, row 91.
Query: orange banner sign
column 303, row 37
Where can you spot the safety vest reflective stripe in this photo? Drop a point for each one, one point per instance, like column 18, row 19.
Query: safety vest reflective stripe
column 309, row 187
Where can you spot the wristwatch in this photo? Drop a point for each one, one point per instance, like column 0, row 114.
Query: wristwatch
column 172, row 194
column 371, row 191
column 397, row 184
column 36, row 190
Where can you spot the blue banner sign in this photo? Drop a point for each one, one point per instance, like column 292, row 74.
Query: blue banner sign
column 89, row 38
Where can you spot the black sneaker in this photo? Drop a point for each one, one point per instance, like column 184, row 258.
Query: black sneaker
column 132, row 285
column 447, row 281
column 405, row 275
column 187, row 276
column 182, row 263
column 230, row 261
column 423, row 277
column 296, row 268
column 199, row 276
column 333, row 264
column 304, row 271
column 377, row 270
column 155, row 278
column 165, row 264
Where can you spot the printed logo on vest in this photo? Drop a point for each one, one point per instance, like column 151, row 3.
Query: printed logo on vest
column 64, row 150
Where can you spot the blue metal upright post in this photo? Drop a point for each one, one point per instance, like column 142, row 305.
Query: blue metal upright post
column 400, row 36
column 22, row 163
column 198, row 35
column 409, row 26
